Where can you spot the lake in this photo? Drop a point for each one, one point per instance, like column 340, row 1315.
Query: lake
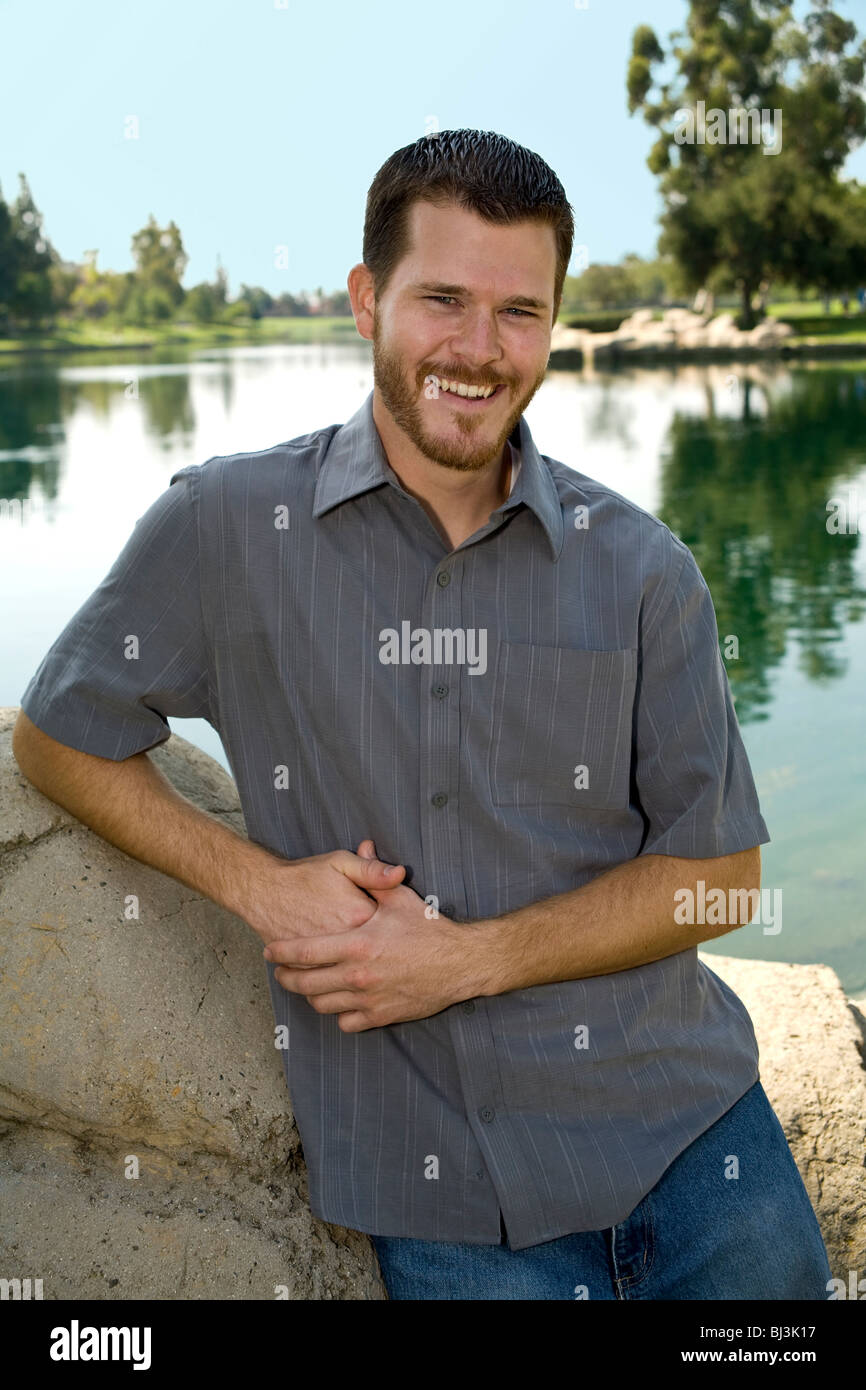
column 759, row 468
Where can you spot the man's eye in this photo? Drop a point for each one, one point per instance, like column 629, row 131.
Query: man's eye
column 440, row 298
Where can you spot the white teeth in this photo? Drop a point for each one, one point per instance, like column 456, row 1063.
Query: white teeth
column 459, row 388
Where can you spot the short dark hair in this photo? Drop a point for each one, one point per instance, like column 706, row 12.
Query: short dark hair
column 487, row 173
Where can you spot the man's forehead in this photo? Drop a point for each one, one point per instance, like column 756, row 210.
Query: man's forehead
column 439, row 263
column 445, row 216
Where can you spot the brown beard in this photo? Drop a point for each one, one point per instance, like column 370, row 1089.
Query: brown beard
column 401, row 400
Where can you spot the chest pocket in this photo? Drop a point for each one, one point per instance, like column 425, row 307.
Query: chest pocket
column 557, row 710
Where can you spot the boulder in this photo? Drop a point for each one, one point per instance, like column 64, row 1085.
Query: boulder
column 145, row 1044
column 769, row 332
column 812, row 1045
column 637, row 320
column 147, row 1145
column 566, row 339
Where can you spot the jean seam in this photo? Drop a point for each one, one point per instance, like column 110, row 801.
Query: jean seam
column 628, row 1281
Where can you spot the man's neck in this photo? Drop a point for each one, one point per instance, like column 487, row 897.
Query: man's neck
column 458, row 503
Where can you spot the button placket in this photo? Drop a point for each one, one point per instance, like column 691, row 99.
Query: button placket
column 439, row 728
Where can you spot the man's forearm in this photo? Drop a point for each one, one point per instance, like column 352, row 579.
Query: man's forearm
column 133, row 806
column 623, row 918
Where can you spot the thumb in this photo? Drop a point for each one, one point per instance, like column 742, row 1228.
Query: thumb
column 370, row 873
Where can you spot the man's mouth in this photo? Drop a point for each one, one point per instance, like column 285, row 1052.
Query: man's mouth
column 460, row 393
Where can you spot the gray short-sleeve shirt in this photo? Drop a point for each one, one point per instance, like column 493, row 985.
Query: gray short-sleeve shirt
column 508, row 720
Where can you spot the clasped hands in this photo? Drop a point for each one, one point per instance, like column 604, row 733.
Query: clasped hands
column 389, row 961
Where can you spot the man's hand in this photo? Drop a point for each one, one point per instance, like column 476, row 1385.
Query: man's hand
column 317, row 896
column 398, row 965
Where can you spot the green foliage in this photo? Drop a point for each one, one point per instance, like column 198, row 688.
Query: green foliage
column 736, row 216
column 27, row 292
column 160, row 262
column 255, row 300
column 635, row 281
column 149, row 304
column 201, row 303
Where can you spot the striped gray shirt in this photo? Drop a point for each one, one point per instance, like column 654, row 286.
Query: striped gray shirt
column 508, row 720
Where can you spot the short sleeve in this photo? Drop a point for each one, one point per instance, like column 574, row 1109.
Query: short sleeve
column 694, row 782
column 136, row 650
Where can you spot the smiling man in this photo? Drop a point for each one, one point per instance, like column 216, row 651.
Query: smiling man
column 506, row 1061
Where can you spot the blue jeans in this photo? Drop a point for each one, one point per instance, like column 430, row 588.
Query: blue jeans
column 696, row 1235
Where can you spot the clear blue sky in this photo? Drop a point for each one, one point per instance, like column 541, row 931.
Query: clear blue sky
column 263, row 126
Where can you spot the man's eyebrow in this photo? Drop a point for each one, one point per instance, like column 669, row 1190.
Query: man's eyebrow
column 524, row 300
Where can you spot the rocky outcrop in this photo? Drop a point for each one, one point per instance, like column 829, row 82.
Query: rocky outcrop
column 677, row 331
column 812, row 1042
column 147, row 1145
column 144, row 1044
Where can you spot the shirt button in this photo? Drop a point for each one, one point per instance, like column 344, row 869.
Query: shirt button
column 440, row 691
column 443, row 579
column 486, row 1113
column 439, row 799
column 479, row 1173
column 468, row 1007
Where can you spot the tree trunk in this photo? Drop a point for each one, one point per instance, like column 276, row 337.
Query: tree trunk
column 747, row 314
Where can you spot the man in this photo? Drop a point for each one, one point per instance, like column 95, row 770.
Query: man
column 423, row 640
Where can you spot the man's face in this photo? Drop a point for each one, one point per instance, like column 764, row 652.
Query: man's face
column 455, row 308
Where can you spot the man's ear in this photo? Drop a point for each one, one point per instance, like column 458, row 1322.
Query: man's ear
column 361, row 293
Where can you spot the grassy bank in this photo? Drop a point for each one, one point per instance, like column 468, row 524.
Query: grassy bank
column 89, row 336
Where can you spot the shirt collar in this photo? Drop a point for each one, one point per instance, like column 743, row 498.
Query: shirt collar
column 355, row 462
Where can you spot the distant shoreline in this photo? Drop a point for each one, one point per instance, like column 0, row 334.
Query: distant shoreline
column 288, row 332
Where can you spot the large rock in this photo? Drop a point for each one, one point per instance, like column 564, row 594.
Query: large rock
column 149, row 1041
column 812, row 1042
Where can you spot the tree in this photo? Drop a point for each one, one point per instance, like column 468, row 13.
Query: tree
column 201, row 303
column 654, row 281
column 207, row 302
column 160, row 262
column 729, row 203
column 7, row 264
column 257, row 300
column 99, row 293
column 220, row 285
column 27, row 257
column 827, row 241
column 605, row 287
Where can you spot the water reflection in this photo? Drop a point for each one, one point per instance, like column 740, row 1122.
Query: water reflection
column 748, row 494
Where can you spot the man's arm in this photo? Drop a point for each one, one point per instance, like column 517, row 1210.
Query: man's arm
column 623, row 918
column 132, row 805
column 399, row 965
